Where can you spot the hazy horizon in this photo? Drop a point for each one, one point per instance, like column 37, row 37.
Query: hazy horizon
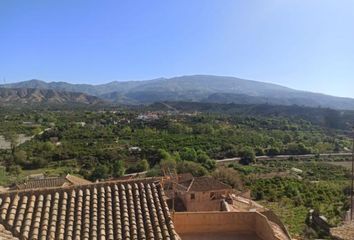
column 290, row 43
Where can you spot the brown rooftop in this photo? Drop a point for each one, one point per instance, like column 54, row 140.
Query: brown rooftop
column 185, row 177
column 109, row 210
column 204, row 184
column 76, row 180
column 67, row 180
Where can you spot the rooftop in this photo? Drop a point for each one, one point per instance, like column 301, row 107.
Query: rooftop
column 202, row 184
column 52, row 182
column 220, row 236
column 108, row 210
column 224, row 226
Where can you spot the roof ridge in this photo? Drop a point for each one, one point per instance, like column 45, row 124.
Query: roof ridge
column 77, row 186
column 90, row 211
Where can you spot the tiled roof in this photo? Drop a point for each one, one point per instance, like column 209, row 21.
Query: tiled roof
column 109, row 210
column 185, row 177
column 42, row 183
column 52, row 182
column 76, row 180
column 204, row 184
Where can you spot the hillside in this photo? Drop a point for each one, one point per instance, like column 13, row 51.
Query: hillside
column 37, row 95
column 199, row 88
column 324, row 117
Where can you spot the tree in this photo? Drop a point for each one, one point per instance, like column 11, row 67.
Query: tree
column 20, row 157
column 259, row 151
column 118, row 168
column 202, row 157
column 176, row 156
column 168, row 164
column 247, row 155
column 229, row 176
column 188, row 154
column 14, row 140
column 48, row 147
column 38, row 162
column 195, row 169
column 163, row 154
column 126, row 131
column 209, row 164
column 273, row 151
column 229, row 150
column 142, row 165
column 297, row 148
column 203, row 129
column 14, row 170
column 100, row 172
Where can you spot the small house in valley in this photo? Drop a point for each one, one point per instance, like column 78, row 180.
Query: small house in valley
column 202, row 193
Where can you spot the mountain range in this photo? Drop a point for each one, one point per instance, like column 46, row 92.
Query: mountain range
column 195, row 88
column 37, row 95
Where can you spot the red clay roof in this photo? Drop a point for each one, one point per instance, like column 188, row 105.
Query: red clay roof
column 108, row 210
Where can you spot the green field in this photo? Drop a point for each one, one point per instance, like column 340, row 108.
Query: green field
column 321, row 186
column 107, row 143
column 346, row 164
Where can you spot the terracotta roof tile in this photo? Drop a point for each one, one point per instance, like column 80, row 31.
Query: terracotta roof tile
column 185, row 177
column 40, row 183
column 52, row 182
column 204, row 184
column 76, row 180
column 110, row 210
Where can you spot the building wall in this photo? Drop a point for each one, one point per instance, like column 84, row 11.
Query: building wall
column 202, row 201
column 214, row 222
column 271, row 216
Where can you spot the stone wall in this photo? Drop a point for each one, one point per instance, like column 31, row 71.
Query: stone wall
column 202, row 201
column 271, row 216
column 213, row 222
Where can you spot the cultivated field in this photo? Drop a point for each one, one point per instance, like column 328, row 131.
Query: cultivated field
column 346, row 164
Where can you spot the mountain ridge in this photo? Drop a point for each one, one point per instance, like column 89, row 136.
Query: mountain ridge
column 199, row 88
column 38, row 95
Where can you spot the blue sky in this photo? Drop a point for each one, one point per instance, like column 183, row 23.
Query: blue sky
column 303, row 44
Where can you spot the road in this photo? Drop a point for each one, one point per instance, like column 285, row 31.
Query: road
column 285, row 157
column 277, row 157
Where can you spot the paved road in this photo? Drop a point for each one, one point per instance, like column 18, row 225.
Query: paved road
column 134, row 174
column 277, row 157
column 285, row 157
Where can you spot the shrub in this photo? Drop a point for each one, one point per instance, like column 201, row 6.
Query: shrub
column 100, row 172
column 228, row 176
column 247, row 155
column 191, row 167
column 118, row 168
